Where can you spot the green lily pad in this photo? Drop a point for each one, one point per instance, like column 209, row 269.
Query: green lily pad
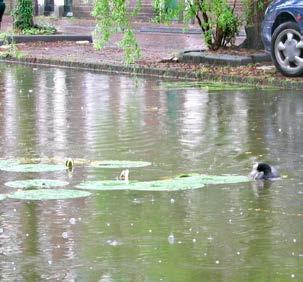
column 119, row 164
column 2, row 197
column 35, row 183
column 214, row 179
column 33, row 167
column 158, row 185
column 48, row 194
column 4, row 163
column 105, row 185
column 182, row 182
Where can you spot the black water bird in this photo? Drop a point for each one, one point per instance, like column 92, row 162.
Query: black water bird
column 263, row 171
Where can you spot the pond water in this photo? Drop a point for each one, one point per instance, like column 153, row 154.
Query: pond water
column 230, row 232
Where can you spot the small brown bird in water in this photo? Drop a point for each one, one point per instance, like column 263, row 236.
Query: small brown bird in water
column 124, row 175
column 69, row 164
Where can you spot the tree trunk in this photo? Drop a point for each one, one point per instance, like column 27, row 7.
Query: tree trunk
column 253, row 28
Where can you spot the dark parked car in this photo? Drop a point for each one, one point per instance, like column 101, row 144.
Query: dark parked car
column 282, row 31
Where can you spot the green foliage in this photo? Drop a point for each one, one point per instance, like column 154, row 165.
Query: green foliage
column 48, row 194
column 39, row 30
column 165, row 11
column 11, row 51
column 252, row 8
column 183, row 182
column 23, row 15
column 33, row 167
column 35, row 183
column 215, row 17
column 113, row 16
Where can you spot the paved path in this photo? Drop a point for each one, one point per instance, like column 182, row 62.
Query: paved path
column 155, row 40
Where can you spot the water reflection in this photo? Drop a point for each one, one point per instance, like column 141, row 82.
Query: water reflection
column 228, row 232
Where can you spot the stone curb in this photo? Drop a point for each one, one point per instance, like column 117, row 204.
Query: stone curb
column 204, row 57
column 163, row 73
column 46, row 38
column 170, row 30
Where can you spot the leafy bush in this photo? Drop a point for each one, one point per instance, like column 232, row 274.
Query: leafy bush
column 39, row 30
column 216, row 18
column 23, row 15
column 11, row 50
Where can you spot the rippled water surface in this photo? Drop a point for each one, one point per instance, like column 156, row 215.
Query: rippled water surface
column 231, row 232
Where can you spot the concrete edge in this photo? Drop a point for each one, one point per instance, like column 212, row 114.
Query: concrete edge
column 169, row 29
column 46, row 38
column 204, row 57
column 162, row 73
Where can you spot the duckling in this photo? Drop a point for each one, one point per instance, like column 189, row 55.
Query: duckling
column 69, row 164
column 263, row 171
column 124, row 175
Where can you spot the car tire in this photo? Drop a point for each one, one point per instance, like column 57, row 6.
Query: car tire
column 287, row 49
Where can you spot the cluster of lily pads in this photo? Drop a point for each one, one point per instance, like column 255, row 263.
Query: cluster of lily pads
column 42, row 189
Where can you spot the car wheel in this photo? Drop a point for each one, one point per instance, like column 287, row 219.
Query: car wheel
column 287, row 49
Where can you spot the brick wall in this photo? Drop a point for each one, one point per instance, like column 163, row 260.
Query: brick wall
column 83, row 8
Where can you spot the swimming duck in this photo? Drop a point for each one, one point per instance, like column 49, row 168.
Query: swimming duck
column 263, row 171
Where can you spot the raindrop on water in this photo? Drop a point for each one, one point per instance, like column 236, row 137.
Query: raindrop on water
column 194, row 240
column 50, row 262
column 217, row 261
column 172, row 201
column 112, row 243
column 65, row 235
column 294, row 240
column 72, row 221
column 171, row 239
column 293, row 276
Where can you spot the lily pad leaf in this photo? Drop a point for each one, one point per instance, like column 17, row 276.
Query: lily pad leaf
column 4, row 163
column 35, row 183
column 33, row 167
column 48, row 194
column 105, row 185
column 215, row 179
column 2, row 197
column 158, row 185
column 119, row 164
column 182, row 182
